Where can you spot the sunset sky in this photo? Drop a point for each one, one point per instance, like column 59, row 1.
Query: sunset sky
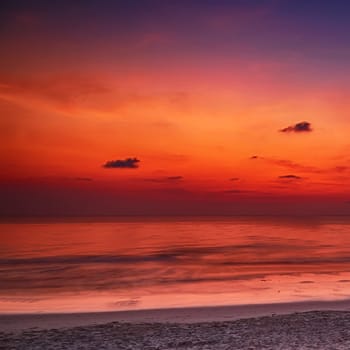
column 174, row 107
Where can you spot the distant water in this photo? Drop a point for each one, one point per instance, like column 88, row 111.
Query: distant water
column 102, row 264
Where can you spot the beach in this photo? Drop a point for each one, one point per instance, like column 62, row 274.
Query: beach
column 175, row 283
column 174, row 175
column 313, row 325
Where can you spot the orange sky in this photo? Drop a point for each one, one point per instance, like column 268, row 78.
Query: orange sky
column 193, row 95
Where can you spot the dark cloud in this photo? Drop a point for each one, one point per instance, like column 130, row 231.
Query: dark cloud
column 298, row 127
column 290, row 177
column 234, row 179
column 175, row 178
column 254, row 157
column 130, row 163
column 165, row 179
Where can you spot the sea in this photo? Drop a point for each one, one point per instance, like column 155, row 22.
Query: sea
column 50, row 265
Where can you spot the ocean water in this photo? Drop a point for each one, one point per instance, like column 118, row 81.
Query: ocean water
column 105, row 264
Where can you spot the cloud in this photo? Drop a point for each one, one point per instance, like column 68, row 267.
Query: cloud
column 285, row 163
column 130, row 163
column 245, row 192
column 172, row 178
column 165, row 179
column 298, row 127
column 60, row 93
column 288, row 164
column 85, row 95
column 290, row 177
column 234, row 179
column 292, row 165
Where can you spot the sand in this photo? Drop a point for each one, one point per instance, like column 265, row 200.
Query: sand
column 185, row 329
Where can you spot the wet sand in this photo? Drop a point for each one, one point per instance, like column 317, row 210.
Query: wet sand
column 18, row 322
column 283, row 326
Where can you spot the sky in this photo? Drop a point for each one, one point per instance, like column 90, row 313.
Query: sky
column 164, row 107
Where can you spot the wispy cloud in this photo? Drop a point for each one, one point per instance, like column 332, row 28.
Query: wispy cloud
column 292, row 165
column 85, row 95
column 290, row 177
column 68, row 92
column 289, row 164
column 167, row 179
column 244, row 192
column 122, row 163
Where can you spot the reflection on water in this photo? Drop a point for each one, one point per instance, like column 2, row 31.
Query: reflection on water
column 145, row 263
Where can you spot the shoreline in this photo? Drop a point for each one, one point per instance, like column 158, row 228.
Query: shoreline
column 188, row 315
column 322, row 330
